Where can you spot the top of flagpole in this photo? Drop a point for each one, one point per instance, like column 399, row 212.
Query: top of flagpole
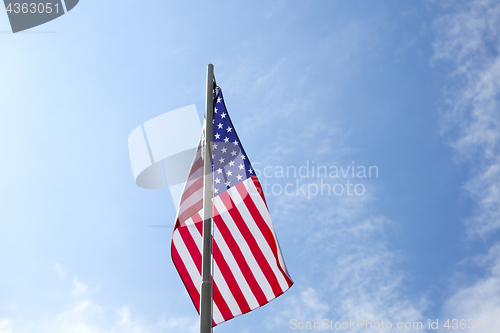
column 206, row 287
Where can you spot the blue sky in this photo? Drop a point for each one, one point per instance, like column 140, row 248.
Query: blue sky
column 409, row 87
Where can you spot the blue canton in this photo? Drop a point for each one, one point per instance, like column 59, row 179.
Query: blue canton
column 230, row 163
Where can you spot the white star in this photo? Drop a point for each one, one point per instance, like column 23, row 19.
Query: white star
column 215, row 110
column 231, row 163
column 229, row 173
column 241, row 166
column 217, row 180
column 224, row 149
column 233, row 153
column 235, row 142
column 219, row 170
column 214, row 145
column 217, row 135
column 221, row 160
column 218, row 100
column 223, row 115
column 243, row 157
column 239, row 177
column 216, row 190
column 228, row 183
column 226, row 139
column 219, row 125
column 229, row 129
column 250, row 171
column 213, row 121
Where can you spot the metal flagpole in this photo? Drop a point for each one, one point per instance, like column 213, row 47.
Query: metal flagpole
column 206, row 287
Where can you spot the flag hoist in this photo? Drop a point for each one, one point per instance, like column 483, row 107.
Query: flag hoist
column 223, row 244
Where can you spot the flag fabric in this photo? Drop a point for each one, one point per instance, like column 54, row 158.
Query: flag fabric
column 248, row 267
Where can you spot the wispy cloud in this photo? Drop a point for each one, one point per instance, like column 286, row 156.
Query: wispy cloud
column 355, row 277
column 343, row 266
column 59, row 270
column 469, row 37
column 481, row 299
column 5, row 326
column 79, row 287
column 84, row 314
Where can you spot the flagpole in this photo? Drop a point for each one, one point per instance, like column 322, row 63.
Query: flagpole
column 206, row 286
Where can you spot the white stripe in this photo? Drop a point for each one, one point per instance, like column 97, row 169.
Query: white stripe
column 198, row 173
column 216, row 315
column 190, row 201
column 259, row 237
column 189, row 221
column 190, row 181
column 281, row 260
column 245, row 249
column 187, row 260
column 262, row 208
column 186, row 187
column 225, row 291
column 217, row 275
column 259, row 203
column 194, row 232
column 235, row 269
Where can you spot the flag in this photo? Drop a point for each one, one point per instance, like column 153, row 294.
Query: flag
column 248, row 267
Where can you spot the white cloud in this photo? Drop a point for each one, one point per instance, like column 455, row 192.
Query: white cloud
column 5, row 326
column 79, row 318
column 307, row 306
column 470, row 39
column 346, row 270
column 355, row 275
column 84, row 315
column 79, row 287
column 481, row 299
column 59, row 270
column 485, row 190
column 179, row 323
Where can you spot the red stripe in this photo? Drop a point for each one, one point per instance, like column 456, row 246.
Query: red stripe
column 190, row 211
column 259, row 188
column 198, row 222
column 261, row 224
column 193, row 188
column 185, row 277
column 283, row 269
column 230, row 279
column 196, row 165
column 252, row 243
column 240, row 259
column 259, row 220
column 191, row 246
column 221, row 303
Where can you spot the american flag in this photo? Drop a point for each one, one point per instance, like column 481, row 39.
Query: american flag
column 248, row 267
